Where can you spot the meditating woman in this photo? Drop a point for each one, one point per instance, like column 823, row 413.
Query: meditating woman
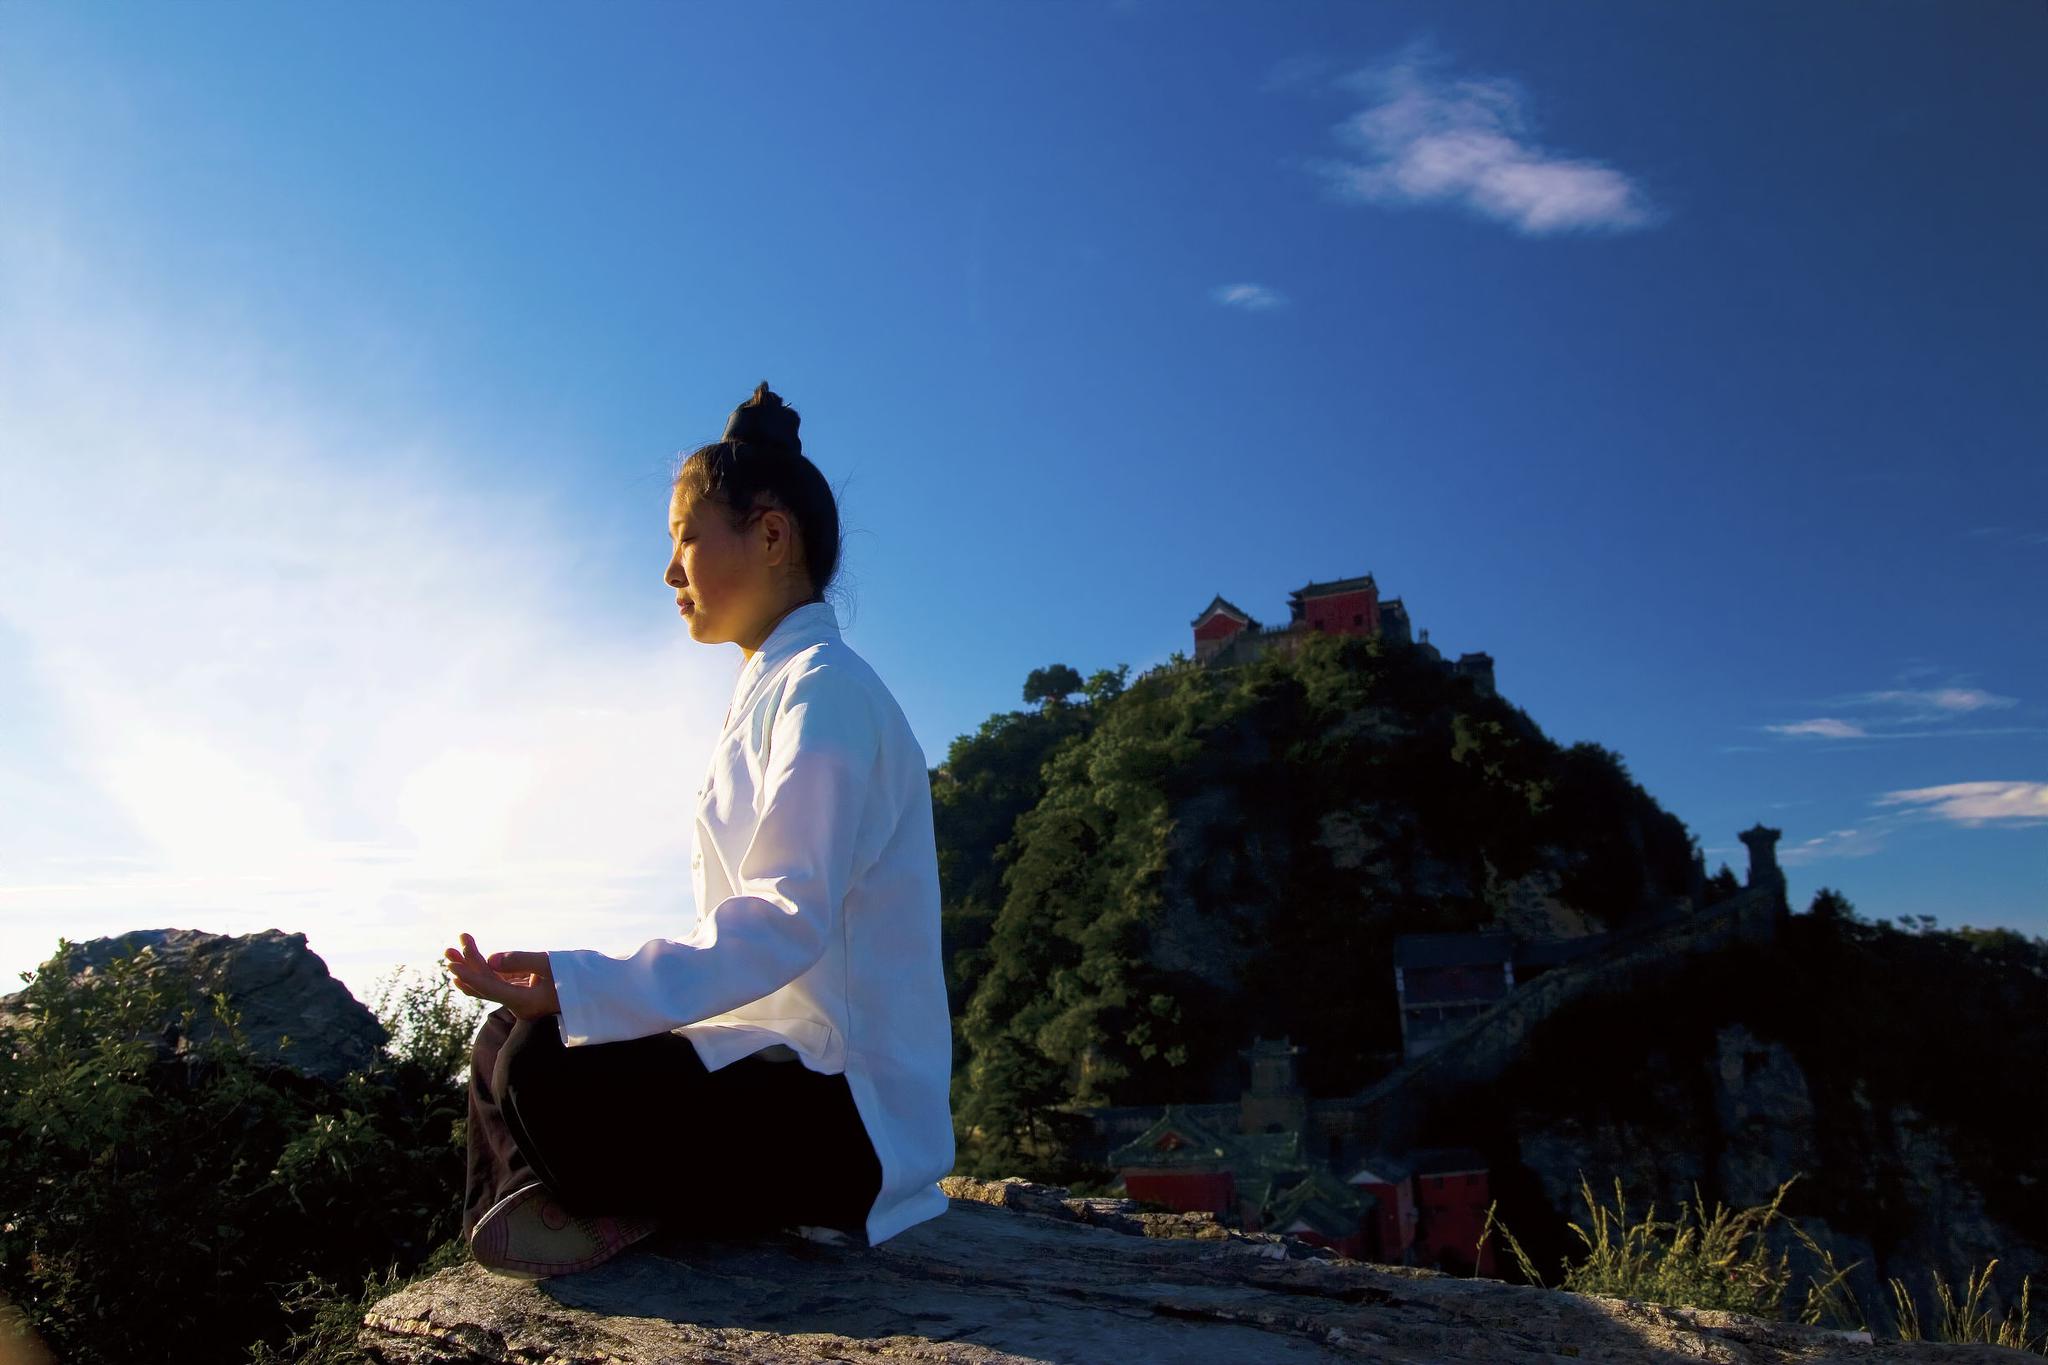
column 785, row 1064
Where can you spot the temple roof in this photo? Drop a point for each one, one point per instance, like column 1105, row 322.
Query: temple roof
column 1176, row 1138
column 1270, row 1047
column 1335, row 585
column 1379, row 1168
column 1447, row 1160
column 1321, row 1201
column 1452, row 950
column 1223, row 604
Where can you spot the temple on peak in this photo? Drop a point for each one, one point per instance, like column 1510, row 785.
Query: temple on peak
column 1226, row 634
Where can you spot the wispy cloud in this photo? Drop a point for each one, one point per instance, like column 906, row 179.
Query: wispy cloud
column 1899, row 707
column 2009, row 534
column 263, row 664
column 1977, row 803
column 1251, row 297
column 1940, row 700
column 1428, row 137
column 1854, row 842
column 1965, row 804
column 1825, row 726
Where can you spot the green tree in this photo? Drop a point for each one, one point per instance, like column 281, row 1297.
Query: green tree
column 1105, row 685
column 1829, row 904
column 1051, row 686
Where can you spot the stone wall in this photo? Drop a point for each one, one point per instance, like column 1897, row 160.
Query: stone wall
column 1385, row 1114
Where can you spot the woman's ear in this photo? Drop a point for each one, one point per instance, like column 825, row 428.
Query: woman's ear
column 773, row 530
column 778, row 531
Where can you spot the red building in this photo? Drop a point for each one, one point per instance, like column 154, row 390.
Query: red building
column 1391, row 1232
column 1420, row 1208
column 1182, row 1163
column 1443, row 981
column 1451, row 1196
column 1227, row 633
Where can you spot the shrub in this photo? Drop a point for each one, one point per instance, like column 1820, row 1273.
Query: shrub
column 156, row 1204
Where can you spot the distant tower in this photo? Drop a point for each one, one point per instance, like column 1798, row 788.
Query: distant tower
column 1479, row 668
column 1394, row 621
column 1274, row 1102
column 1763, row 860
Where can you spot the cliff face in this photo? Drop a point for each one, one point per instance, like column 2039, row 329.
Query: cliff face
column 1016, row 1272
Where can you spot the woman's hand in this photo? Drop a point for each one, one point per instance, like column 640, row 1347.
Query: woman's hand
column 522, row 982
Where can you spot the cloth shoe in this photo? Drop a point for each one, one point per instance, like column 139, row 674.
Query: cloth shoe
column 529, row 1235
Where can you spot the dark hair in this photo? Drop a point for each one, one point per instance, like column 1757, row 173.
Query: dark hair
column 760, row 463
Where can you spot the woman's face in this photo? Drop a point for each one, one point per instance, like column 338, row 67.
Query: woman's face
column 711, row 569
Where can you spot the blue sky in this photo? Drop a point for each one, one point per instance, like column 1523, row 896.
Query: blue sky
column 1684, row 358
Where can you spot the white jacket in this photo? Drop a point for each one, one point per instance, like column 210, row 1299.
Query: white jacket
column 817, row 881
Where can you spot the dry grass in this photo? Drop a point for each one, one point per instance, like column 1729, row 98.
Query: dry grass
column 1721, row 1260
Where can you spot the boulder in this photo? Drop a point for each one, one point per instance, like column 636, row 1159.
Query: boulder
column 280, row 986
column 1016, row 1272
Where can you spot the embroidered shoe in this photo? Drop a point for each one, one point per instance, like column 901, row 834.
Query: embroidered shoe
column 528, row 1235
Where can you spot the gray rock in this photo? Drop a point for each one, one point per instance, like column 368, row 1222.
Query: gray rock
column 1952, row 1233
column 1564, row 1150
column 1765, row 1114
column 281, row 987
column 1016, row 1273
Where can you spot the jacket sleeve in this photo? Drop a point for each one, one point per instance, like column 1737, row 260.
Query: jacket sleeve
column 790, row 885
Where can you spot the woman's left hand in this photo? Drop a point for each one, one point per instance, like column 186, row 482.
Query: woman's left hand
column 522, row 982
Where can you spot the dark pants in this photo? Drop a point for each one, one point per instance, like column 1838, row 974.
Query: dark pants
column 641, row 1126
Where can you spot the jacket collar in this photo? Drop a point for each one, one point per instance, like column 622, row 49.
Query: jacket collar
column 800, row 627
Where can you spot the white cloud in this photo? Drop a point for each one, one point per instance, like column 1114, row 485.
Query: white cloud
column 1428, row 138
column 1940, row 699
column 268, row 665
column 1977, row 803
column 1825, row 727
column 1251, row 297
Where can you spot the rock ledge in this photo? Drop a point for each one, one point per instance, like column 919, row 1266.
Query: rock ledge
column 1017, row 1272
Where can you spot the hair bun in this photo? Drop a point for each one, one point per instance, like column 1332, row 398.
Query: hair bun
column 765, row 418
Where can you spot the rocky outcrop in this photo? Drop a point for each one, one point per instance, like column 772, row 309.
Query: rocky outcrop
column 1750, row 1128
column 1016, row 1273
column 280, row 986
column 1764, row 1113
column 1528, row 906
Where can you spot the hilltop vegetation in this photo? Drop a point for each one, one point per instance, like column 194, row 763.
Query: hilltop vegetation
column 1137, row 882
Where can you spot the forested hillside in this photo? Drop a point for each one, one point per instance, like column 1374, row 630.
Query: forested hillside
column 1138, row 880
